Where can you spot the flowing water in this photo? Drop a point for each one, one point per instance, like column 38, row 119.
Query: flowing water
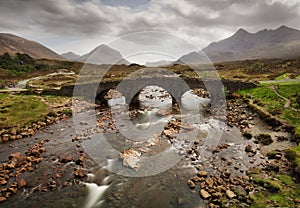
column 106, row 189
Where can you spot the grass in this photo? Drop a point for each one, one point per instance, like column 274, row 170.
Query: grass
column 280, row 192
column 53, row 81
column 283, row 76
column 274, row 104
column 293, row 154
column 285, row 179
column 20, row 110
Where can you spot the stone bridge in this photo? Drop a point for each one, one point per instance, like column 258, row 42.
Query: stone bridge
column 175, row 86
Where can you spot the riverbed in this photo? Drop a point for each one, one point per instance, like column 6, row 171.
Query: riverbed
column 107, row 181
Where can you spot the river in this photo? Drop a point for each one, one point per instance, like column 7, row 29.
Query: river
column 165, row 187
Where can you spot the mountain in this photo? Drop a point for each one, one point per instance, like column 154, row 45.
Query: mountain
column 103, row 54
column 13, row 44
column 192, row 58
column 158, row 63
column 283, row 42
column 70, row 56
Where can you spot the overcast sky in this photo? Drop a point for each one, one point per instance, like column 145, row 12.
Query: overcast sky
column 81, row 25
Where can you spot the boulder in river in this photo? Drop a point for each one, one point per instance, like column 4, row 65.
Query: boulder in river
column 130, row 158
column 264, row 139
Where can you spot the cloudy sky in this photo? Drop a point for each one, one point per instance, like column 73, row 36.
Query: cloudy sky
column 81, row 25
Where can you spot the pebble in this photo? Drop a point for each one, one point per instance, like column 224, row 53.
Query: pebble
column 191, row 184
column 230, row 194
column 202, row 173
column 204, row 194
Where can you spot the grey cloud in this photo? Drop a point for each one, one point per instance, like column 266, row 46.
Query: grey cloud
column 200, row 21
column 64, row 17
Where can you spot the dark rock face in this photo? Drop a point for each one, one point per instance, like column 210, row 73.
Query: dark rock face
column 264, row 139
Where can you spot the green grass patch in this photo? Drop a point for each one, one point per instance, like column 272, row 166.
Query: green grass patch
column 253, row 171
column 274, row 104
column 54, row 99
column 279, row 192
column 283, row 76
column 20, row 110
column 286, row 179
column 293, row 154
column 53, row 81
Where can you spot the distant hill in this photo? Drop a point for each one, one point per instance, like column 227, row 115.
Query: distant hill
column 13, row 44
column 158, row 63
column 103, row 54
column 70, row 56
column 192, row 58
column 284, row 42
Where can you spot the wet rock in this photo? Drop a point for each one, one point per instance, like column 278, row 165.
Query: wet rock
column 10, row 166
column 67, row 159
column 281, row 138
column 5, row 137
column 250, row 149
column 220, row 188
column 204, row 194
column 202, row 173
column 2, row 199
column 180, row 200
column 52, row 185
column 80, row 160
column 209, row 182
column 240, row 191
column 57, row 175
column 162, row 113
column 191, row 184
column 21, row 183
column 3, row 182
column 247, row 135
column 264, row 139
column 130, row 158
column 13, row 190
column 216, row 150
column 226, row 174
column 275, row 154
column 198, row 179
column 230, row 194
column 169, row 133
column 14, row 155
column 83, row 123
column 272, row 167
column 217, row 195
column 78, row 173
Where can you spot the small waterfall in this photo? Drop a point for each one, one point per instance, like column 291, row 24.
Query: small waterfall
column 95, row 193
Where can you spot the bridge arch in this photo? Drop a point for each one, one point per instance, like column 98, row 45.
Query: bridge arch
column 132, row 88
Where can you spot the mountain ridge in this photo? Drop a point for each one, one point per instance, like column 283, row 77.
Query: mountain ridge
column 70, row 56
column 283, row 42
column 103, row 54
column 12, row 44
